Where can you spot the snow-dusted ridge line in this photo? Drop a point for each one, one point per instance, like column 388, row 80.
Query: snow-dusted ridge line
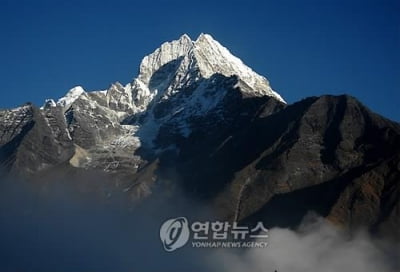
column 218, row 59
column 70, row 97
column 179, row 84
column 202, row 57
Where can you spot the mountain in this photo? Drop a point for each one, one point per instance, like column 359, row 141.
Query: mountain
column 197, row 119
column 178, row 85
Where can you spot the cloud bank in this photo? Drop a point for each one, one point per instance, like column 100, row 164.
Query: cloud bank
column 65, row 231
column 316, row 246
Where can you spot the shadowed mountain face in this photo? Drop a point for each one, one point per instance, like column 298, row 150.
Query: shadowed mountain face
column 328, row 154
column 219, row 133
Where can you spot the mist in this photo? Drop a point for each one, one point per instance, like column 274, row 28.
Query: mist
column 316, row 246
column 59, row 229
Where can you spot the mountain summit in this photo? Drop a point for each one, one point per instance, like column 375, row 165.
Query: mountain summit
column 176, row 65
column 202, row 58
column 198, row 119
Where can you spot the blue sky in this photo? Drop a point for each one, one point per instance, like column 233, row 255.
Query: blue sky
column 304, row 48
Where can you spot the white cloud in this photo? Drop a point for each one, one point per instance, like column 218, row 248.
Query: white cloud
column 316, row 246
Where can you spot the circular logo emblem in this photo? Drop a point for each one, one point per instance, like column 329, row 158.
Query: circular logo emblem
column 174, row 233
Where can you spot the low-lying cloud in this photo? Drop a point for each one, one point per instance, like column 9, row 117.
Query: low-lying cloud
column 317, row 246
column 65, row 231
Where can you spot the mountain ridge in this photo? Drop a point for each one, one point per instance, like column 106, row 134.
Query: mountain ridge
column 198, row 119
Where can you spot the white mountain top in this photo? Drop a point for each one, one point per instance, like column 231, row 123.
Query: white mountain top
column 214, row 58
column 201, row 58
column 170, row 68
column 70, row 97
column 169, row 51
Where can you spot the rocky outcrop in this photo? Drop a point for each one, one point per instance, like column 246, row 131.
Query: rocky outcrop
column 33, row 140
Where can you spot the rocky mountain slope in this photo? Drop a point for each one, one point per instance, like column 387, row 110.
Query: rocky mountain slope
column 198, row 119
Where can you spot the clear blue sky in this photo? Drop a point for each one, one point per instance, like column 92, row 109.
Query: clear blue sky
column 303, row 47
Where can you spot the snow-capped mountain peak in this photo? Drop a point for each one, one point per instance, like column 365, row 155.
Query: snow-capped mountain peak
column 181, row 81
column 214, row 58
column 173, row 66
column 70, row 97
column 166, row 53
column 204, row 58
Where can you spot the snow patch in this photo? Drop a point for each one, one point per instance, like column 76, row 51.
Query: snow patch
column 70, row 97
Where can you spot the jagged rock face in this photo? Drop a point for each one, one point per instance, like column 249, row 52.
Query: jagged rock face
column 33, row 140
column 196, row 117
